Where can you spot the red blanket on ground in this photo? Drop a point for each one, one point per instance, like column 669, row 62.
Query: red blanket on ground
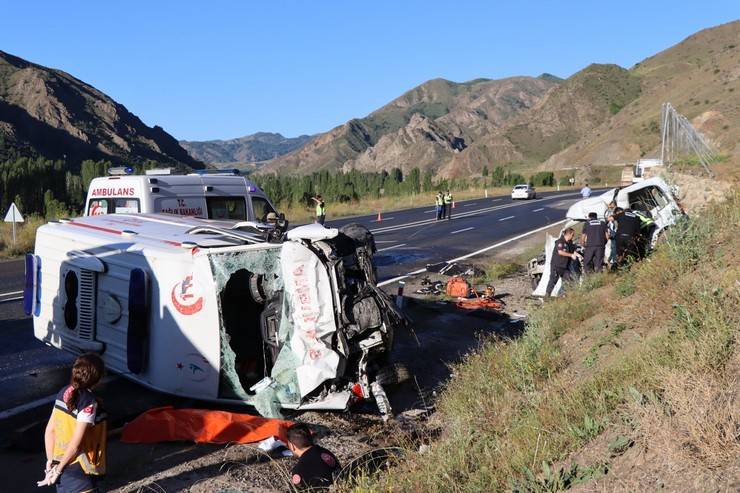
column 167, row 424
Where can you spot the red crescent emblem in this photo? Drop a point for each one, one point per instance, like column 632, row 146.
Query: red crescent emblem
column 296, row 479
column 185, row 308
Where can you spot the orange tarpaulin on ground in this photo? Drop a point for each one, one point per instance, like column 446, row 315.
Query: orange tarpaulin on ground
column 167, row 424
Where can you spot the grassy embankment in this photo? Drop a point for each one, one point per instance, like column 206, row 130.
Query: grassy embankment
column 650, row 352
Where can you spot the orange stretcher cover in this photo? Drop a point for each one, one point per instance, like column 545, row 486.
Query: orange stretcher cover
column 167, row 424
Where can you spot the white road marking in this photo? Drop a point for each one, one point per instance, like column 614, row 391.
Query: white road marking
column 392, row 247
column 461, row 230
column 496, row 200
column 382, row 219
column 11, row 293
column 477, row 252
column 385, row 241
column 8, row 300
column 538, row 210
column 468, row 205
column 506, row 218
column 40, row 402
column 429, row 212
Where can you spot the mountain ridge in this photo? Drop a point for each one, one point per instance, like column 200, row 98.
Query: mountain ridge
column 252, row 148
column 50, row 113
column 601, row 115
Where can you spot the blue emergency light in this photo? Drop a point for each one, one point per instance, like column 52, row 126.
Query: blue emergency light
column 225, row 171
column 121, row 170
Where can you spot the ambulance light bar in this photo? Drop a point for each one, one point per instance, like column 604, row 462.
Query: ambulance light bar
column 225, row 171
column 158, row 171
column 120, row 170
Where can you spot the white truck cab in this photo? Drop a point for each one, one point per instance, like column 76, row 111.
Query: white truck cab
column 221, row 195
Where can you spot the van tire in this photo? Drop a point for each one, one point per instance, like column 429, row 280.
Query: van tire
column 392, row 374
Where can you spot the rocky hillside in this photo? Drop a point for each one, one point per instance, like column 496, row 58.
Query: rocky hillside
column 47, row 112
column 249, row 149
column 700, row 76
column 602, row 115
column 424, row 127
column 566, row 113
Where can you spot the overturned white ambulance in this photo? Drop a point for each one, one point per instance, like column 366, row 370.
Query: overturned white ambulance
column 217, row 310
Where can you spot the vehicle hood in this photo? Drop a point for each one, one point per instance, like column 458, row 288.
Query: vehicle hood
column 597, row 204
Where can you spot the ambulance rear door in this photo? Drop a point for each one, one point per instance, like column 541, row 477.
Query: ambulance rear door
column 115, row 194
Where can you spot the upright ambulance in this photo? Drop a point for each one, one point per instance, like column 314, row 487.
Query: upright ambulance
column 218, row 195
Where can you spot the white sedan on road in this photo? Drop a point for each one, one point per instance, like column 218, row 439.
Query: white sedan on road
column 523, row 192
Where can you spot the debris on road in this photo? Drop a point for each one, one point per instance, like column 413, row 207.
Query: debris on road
column 455, row 269
column 457, row 287
column 481, row 301
column 429, row 287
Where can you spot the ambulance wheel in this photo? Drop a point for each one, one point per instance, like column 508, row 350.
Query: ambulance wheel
column 392, row 374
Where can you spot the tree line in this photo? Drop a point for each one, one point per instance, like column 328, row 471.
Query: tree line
column 354, row 185
column 53, row 189
column 49, row 187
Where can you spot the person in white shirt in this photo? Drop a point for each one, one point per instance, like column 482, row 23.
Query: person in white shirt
column 585, row 191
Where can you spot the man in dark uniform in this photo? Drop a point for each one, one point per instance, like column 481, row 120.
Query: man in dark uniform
column 593, row 239
column 316, row 466
column 628, row 234
column 561, row 257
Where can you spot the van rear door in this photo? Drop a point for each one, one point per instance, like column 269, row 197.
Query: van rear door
column 98, row 206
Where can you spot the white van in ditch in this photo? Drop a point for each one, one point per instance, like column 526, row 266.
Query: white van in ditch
column 217, row 310
column 653, row 197
column 222, row 195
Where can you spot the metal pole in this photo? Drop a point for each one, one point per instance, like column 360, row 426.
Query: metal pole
column 13, row 213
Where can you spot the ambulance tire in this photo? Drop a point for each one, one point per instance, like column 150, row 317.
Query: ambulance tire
column 360, row 235
column 392, row 374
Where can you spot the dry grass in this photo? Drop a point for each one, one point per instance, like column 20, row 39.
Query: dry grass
column 25, row 236
column 696, row 420
column 513, row 406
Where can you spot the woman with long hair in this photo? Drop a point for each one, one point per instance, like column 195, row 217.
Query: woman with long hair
column 75, row 436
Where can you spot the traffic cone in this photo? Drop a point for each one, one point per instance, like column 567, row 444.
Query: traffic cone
column 380, row 217
column 453, row 204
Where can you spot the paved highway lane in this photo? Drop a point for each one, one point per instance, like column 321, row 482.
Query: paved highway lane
column 11, row 280
column 408, row 245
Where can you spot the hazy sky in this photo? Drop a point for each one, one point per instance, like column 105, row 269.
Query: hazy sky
column 223, row 69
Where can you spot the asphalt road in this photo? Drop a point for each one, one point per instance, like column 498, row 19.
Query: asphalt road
column 407, row 240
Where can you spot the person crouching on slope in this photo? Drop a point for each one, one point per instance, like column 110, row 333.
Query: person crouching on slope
column 316, row 467
column 75, row 436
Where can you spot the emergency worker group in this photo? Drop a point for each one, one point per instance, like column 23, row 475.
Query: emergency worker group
column 626, row 232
